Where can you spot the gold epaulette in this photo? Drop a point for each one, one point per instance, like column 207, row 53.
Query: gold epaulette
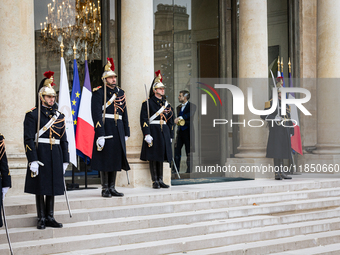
column 31, row 110
column 95, row 89
column 267, row 104
column 288, row 108
column 1, row 135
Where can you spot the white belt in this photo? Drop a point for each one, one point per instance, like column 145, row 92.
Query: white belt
column 49, row 141
column 157, row 122
column 112, row 116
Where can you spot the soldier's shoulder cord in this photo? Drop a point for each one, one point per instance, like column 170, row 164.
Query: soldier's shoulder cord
column 31, row 109
column 267, row 104
column 288, row 109
column 97, row 88
column 62, row 115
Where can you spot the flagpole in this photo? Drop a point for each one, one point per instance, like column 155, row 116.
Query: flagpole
column 294, row 171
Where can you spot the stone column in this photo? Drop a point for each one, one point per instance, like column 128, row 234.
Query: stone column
column 17, row 87
column 328, row 89
column 253, row 72
column 137, row 69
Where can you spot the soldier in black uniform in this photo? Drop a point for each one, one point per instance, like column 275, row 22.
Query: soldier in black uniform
column 279, row 144
column 185, row 112
column 5, row 182
column 48, row 156
column 111, row 132
column 157, row 131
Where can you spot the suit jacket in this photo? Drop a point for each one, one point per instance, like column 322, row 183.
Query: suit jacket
column 187, row 115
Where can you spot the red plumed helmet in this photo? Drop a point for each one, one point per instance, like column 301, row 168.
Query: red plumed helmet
column 49, row 75
column 112, row 64
column 109, row 69
column 158, row 73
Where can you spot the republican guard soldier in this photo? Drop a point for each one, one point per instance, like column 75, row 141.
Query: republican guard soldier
column 47, row 154
column 279, row 144
column 110, row 118
column 157, row 123
column 5, row 174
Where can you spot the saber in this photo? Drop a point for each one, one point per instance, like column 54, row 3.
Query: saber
column 68, row 204
column 5, row 223
column 179, row 177
column 148, row 108
column 127, row 176
column 273, row 78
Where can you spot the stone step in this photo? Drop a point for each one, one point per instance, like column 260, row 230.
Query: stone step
column 253, row 211
column 331, row 249
column 153, row 221
column 187, row 192
column 265, row 242
column 29, row 219
column 90, row 200
column 318, row 243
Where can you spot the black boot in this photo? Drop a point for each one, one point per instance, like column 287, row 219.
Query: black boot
column 160, row 175
column 39, row 201
column 105, row 184
column 278, row 176
column 284, row 176
column 50, row 221
column 153, row 172
column 112, row 182
column 277, row 166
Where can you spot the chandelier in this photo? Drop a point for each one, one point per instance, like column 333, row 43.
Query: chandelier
column 73, row 22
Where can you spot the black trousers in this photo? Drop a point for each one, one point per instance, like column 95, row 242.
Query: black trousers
column 183, row 138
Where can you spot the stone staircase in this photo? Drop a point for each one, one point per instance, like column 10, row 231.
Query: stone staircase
column 299, row 216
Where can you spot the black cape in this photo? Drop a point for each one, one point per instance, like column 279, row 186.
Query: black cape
column 113, row 155
column 50, row 180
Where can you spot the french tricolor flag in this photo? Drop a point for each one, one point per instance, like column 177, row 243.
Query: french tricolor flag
column 85, row 128
column 295, row 140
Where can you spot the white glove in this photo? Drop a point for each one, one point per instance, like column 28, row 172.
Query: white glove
column 65, row 165
column 148, row 139
column 4, row 191
column 34, row 167
column 170, row 140
column 126, row 138
column 101, row 142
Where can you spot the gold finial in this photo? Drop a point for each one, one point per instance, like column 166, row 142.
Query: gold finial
column 290, row 66
column 278, row 63
column 62, row 48
column 74, row 50
column 85, row 50
column 282, row 64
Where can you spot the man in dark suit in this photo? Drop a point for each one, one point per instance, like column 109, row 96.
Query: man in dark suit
column 185, row 114
column 279, row 144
